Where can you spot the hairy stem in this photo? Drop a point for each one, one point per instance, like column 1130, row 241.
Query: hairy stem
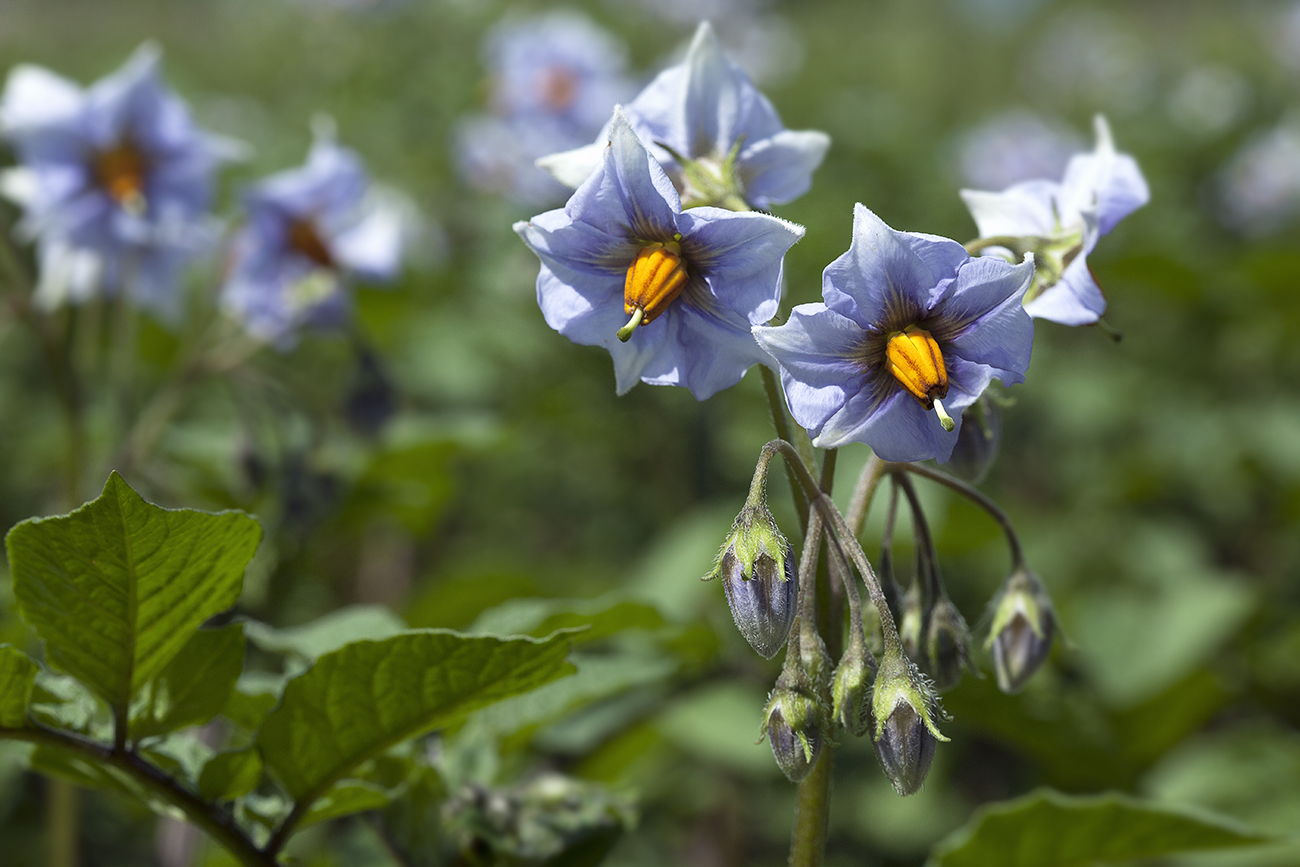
column 812, row 812
column 781, row 423
column 211, row 818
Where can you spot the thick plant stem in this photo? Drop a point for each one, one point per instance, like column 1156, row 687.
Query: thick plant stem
column 61, row 827
column 209, row 817
column 812, row 812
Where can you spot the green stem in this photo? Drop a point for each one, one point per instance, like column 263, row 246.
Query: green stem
column 61, row 837
column 209, row 817
column 812, row 812
column 978, row 498
column 781, row 423
column 863, row 492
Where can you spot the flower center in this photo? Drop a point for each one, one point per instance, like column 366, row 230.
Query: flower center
column 558, row 86
column 121, row 171
column 917, row 363
column 303, row 238
column 654, row 280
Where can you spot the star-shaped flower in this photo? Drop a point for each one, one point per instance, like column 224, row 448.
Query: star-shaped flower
column 1060, row 223
column 708, row 113
column 309, row 231
column 115, row 181
column 911, row 332
column 671, row 294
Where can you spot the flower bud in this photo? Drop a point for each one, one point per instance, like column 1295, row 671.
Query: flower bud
column 977, row 441
column 905, row 735
column 947, row 645
column 790, row 723
column 1022, row 630
column 849, row 687
column 757, row 569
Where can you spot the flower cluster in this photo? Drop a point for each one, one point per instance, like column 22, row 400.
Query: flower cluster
column 116, row 183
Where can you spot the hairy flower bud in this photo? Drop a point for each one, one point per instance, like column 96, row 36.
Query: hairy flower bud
column 790, row 723
column 849, row 688
column 909, row 622
column 905, row 735
column 977, row 441
column 757, row 570
column 947, row 645
column 1022, row 629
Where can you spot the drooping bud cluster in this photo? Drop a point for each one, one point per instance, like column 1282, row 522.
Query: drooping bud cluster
column 851, row 685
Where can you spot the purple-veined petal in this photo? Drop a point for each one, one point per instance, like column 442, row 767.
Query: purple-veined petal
column 1023, row 209
column 881, row 278
column 717, row 350
column 1104, row 181
column 1074, row 300
column 984, row 314
column 649, row 199
column 740, row 254
column 816, row 352
column 777, row 170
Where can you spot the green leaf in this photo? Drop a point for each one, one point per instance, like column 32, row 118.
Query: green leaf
column 247, row 710
column 327, row 633
column 344, row 799
column 17, row 673
column 1048, row 829
column 194, row 687
column 230, row 775
column 117, row 587
column 538, row 617
column 365, row 697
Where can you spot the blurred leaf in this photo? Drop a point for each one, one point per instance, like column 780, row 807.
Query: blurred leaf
column 194, row 687
column 180, row 754
column 407, row 482
column 722, row 723
column 248, row 711
column 537, row 617
column 230, row 775
column 359, row 700
column 454, row 603
column 17, row 674
column 327, row 633
column 65, row 702
column 597, row 678
column 1048, row 829
column 345, row 798
column 118, row 586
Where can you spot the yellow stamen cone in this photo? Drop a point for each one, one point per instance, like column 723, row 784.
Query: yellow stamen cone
column 654, row 280
column 917, row 363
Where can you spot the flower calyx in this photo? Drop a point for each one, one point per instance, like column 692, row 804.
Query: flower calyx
column 904, row 707
column 654, row 280
column 947, row 645
column 711, row 181
column 916, row 362
column 1021, row 633
column 850, row 686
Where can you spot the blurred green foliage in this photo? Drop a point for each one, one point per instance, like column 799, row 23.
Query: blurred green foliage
column 1155, row 481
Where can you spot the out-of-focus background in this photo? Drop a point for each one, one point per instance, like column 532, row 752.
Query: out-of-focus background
column 468, row 456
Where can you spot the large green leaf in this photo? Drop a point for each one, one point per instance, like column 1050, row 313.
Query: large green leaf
column 365, row 697
column 1048, row 829
column 117, row 587
column 195, row 685
column 597, row 619
column 328, row 632
column 17, row 673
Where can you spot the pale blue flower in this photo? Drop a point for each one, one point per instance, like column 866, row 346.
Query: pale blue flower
column 726, row 267
column 309, row 232
column 1061, row 224
column 892, row 289
column 115, row 181
column 706, row 109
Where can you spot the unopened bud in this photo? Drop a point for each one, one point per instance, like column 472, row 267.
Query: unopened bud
column 790, row 722
column 1022, row 629
column 850, row 687
column 905, row 735
column 757, row 570
column 977, row 441
column 947, row 645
